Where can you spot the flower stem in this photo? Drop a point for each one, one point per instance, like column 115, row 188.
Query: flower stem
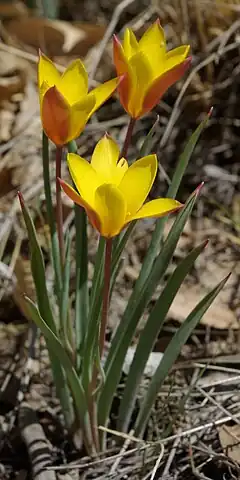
column 59, row 215
column 128, row 137
column 50, row 216
column 106, row 291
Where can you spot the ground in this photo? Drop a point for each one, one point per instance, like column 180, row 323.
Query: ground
column 197, row 412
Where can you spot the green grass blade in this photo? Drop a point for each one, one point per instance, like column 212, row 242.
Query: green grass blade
column 56, row 347
column 170, row 356
column 149, row 336
column 82, row 294
column 171, row 193
column 135, row 307
column 38, row 269
column 50, row 217
column 67, row 333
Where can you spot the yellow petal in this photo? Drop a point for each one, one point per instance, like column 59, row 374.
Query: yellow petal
column 153, row 45
column 47, row 72
column 176, row 56
column 55, row 115
column 79, row 116
column 84, row 177
column 71, row 193
column 157, row 208
column 162, row 83
column 141, row 81
column 137, row 182
column 103, row 92
column 73, row 84
column 130, row 44
column 111, row 209
column 105, row 161
column 123, row 69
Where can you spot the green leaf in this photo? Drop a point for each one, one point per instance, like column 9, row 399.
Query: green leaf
column 170, row 356
column 56, row 347
column 171, row 193
column 135, row 307
column 82, row 294
column 38, row 269
column 148, row 141
column 149, row 336
column 38, row 272
column 67, row 333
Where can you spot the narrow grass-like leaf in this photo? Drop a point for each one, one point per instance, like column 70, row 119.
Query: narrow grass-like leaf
column 82, row 293
column 38, row 272
column 171, row 193
column 149, row 336
column 56, row 346
column 67, row 332
column 38, row 269
column 51, row 218
column 148, row 141
column 170, row 355
column 135, row 307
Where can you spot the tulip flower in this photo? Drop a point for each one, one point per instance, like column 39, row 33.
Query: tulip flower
column 65, row 103
column 112, row 193
column 148, row 69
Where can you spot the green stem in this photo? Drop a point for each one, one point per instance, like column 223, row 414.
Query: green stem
column 106, row 292
column 50, row 216
column 59, row 214
column 127, row 140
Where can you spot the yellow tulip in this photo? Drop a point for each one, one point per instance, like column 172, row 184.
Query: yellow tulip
column 112, row 193
column 148, row 69
column 65, row 103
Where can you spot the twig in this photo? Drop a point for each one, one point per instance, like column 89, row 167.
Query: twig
column 157, row 462
column 110, row 30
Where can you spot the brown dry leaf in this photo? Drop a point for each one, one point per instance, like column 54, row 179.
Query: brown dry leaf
column 55, row 37
column 12, row 9
column 229, row 437
column 219, row 314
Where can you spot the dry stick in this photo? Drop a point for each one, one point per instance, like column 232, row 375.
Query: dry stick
column 109, row 32
column 59, row 214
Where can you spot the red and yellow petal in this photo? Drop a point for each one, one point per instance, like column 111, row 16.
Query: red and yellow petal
column 55, row 114
column 162, row 83
column 75, row 197
column 123, row 70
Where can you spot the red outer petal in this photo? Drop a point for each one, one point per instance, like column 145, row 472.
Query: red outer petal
column 122, row 69
column 55, row 114
column 161, row 84
column 76, row 198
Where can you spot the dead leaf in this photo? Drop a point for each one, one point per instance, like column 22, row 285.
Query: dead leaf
column 219, row 314
column 12, row 9
column 229, row 437
column 55, row 37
